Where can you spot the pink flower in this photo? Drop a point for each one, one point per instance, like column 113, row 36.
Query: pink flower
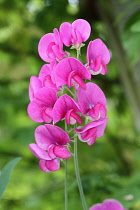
column 40, row 108
column 91, row 131
column 75, row 33
column 50, row 47
column 50, row 147
column 43, row 80
column 72, row 72
column 66, row 107
column 109, row 204
column 92, row 101
column 97, row 56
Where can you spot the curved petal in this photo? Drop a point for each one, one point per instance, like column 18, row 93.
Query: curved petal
column 42, row 164
column 59, row 136
column 35, row 85
column 92, row 95
column 43, row 46
column 65, row 33
column 38, row 152
column 61, row 152
column 34, row 111
column 53, row 165
column 46, row 96
column 62, row 106
column 83, row 27
column 45, row 70
column 43, row 138
column 66, row 66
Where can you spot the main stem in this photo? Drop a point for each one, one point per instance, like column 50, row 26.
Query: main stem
column 78, row 175
column 66, row 179
column 66, row 190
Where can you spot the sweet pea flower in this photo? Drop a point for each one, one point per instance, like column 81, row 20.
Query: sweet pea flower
column 98, row 56
column 66, row 107
column 50, row 147
column 109, row 204
column 93, row 103
column 50, row 47
column 72, row 72
column 75, row 33
column 40, row 108
column 91, row 131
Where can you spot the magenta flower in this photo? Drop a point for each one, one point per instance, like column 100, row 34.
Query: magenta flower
column 91, row 131
column 92, row 101
column 50, row 47
column 109, row 204
column 40, row 108
column 50, row 147
column 66, row 107
column 98, row 56
column 75, row 33
column 72, row 72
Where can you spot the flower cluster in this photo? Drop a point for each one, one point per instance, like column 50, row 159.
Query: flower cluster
column 85, row 102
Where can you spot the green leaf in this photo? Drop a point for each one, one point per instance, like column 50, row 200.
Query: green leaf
column 5, row 174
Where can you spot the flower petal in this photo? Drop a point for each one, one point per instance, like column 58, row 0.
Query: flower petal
column 38, row 152
column 112, row 204
column 53, row 165
column 42, row 164
column 61, row 152
column 35, row 85
column 65, row 33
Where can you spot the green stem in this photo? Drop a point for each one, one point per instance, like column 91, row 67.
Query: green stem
column 66, row 190
column 78, row 175
column 66, row 178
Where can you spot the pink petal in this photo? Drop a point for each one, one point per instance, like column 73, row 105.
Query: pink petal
column 45, row 70
column 43, row 46
column 97, row 48
column 92, row 95
column 35, row 85
column 43, row 137
column 47, row 96
column 42, row 164
column 68, row 65
column 53, row 165
column 38, row 152
column 59, row 136
column 83, row 27
column 34, row 111
column 61, row 152
column 62, row 106
column 65, row 33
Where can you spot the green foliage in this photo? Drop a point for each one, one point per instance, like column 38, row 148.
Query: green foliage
column 5, row 175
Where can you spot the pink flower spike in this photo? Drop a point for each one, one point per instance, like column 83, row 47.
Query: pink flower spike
column 93, row 103
column 75, row 33
column 109, row 204
column 40, row 109
column 98, row 56
column 91, row 131
column 71, row 71
column 50, row 47
column 35, row 85
column 66, row 107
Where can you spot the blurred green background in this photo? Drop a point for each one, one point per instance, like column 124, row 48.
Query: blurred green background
column 111, row 167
